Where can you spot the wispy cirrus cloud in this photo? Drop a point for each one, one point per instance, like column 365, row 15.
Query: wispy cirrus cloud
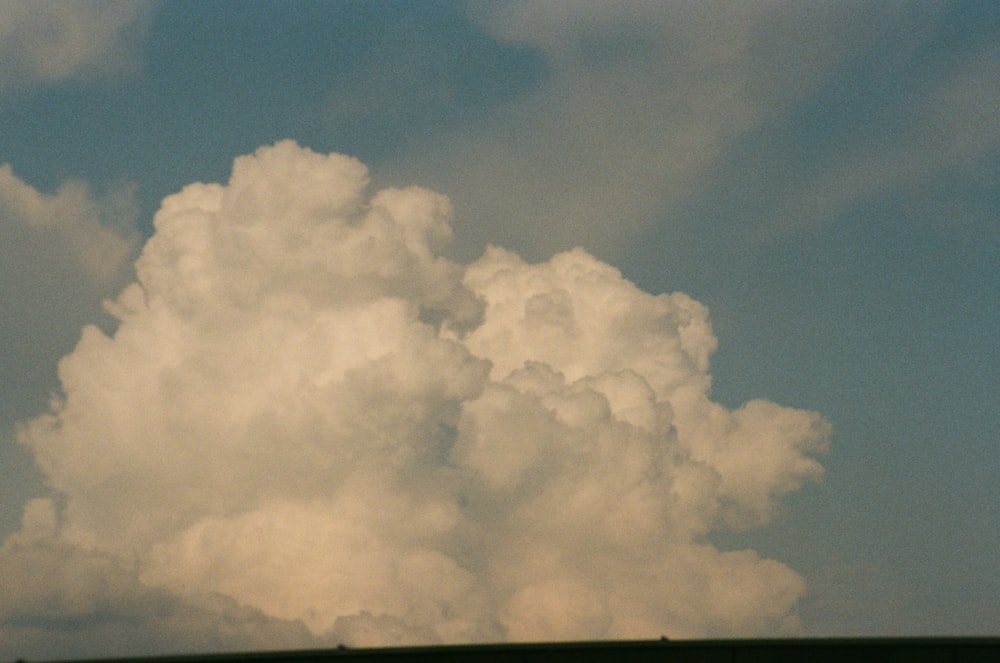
column 49, row 41
column 641, row 106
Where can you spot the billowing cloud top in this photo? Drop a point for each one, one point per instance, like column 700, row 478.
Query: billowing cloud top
column 307, row 412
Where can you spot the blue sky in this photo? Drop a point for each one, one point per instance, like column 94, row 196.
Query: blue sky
column 823, row 177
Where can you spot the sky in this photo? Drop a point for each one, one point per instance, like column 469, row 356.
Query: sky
column 377, row 323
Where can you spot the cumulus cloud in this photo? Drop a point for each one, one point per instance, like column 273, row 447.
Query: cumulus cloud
column 61, row 254
column 309, row 414
column 45, row 41
column 60, row 601
column 92, row 235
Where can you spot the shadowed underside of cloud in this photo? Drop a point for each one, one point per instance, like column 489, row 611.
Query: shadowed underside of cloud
column 62, row 601
column 309, row 421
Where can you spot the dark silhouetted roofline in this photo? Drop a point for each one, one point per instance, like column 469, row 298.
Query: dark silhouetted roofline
column 810, row 650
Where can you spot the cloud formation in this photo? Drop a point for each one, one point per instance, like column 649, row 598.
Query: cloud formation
column 62, row 601
column 641, row 106
column 308, row 416
column 45, row 41
column 61, row 254
column 944, row 142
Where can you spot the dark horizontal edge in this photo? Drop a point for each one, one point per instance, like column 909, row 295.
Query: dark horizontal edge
column 954, row 649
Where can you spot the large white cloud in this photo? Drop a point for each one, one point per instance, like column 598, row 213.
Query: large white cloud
column 309, row 412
